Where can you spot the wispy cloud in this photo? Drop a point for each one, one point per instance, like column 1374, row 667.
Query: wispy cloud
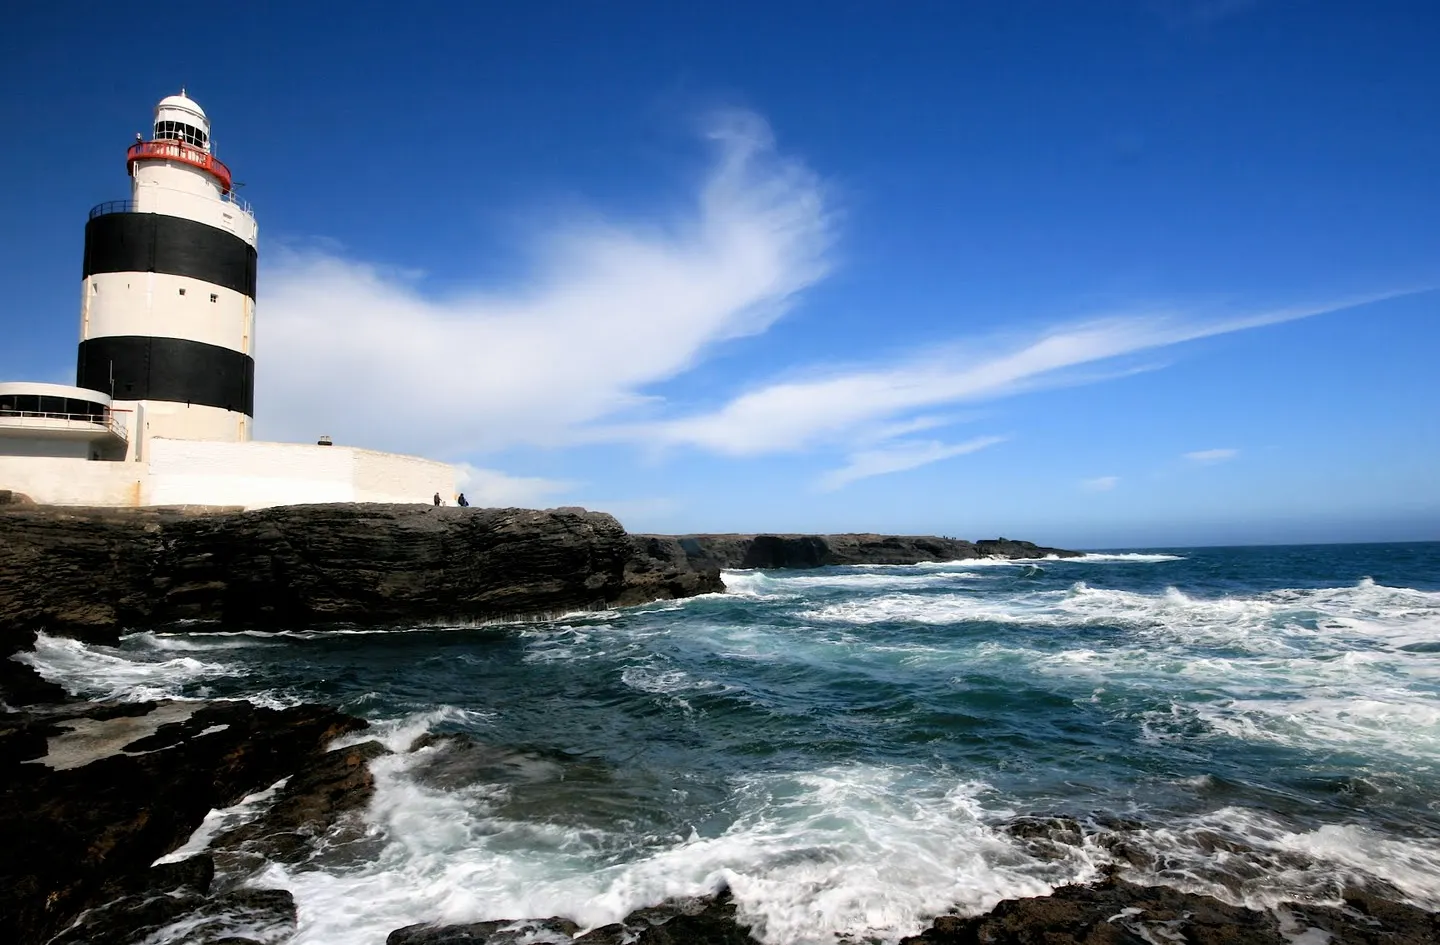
column 841, row 406
column 1100, row 483
column 1210, row 457
column 360, row 352
column 898, row 457
column 490, row 487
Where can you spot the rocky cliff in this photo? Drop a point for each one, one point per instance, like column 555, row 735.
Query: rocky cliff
column 91, row 572
column 815, row 551
column 92, row 794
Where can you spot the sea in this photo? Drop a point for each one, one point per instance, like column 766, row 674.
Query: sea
column 855, row 750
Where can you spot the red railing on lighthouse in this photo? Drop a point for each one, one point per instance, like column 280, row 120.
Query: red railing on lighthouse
column 169, row 149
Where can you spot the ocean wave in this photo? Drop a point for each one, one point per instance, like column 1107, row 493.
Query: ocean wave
column 134, row 673
column 1276, row 862
column 1135, row 557
column 852, row 850
column 1401, row 615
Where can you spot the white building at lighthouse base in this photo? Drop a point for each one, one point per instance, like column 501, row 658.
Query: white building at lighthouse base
column 249, row 475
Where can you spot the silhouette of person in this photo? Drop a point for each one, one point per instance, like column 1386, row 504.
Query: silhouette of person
column 462, row 502
column 437, row 499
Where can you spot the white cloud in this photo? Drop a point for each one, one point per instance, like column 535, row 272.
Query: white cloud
column 571, row 353
column 899, row 456
column 1100, row 483
column 1212, row 456
column 495, row 489
column 843, row 406
column 359, row 352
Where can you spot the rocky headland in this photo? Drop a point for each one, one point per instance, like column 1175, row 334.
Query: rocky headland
column 91, row 573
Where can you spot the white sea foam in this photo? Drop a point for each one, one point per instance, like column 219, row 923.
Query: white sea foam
column 133, row 673
column 1100, row 557
column 218, row 821
column 1296, row 864
column 847, row 850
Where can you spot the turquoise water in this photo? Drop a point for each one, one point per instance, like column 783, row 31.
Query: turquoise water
column 846, row 747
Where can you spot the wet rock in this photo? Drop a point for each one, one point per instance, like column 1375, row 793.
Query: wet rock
column 243, row 917
column 814, row 551
column 505, row 932
column 311, row 808
column 714, row 924
column 20, row 685
column 1116, row 912
column 694, row 921
column 88, row 572
column 83, row 812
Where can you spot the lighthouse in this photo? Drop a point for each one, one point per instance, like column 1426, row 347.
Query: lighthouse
column 163, row 402
column 167, row 316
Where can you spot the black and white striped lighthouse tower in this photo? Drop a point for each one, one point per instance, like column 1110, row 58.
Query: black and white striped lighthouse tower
column 167, row 324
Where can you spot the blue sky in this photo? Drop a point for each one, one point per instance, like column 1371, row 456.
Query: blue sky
column 1131, row 272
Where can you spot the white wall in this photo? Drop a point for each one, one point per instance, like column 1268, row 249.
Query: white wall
column 53, row 481
column 258, row 475
column 391, row 477
column 250, row 475
column 169, row 420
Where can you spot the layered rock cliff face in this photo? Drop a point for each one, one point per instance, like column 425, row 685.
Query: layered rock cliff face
column 90, row 572
column 815, row 551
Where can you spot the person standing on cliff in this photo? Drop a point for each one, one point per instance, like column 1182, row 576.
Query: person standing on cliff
column 437, row 500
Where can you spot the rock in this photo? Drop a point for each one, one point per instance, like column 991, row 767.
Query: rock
column 20, row 685
column 10, row 497
column 242, row 917
column 309, row 807
column 707, row 921
column 814, row 551
column 504, row 932
column 92, row 794
column 88, row 572
column 1116, row 912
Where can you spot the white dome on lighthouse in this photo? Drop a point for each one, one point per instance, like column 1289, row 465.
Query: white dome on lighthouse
column 180, row 117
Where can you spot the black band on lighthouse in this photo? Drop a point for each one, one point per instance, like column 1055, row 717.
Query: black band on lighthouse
column 154, row 242
column 171, row 369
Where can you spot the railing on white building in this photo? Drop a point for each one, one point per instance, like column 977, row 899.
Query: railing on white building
column 49, row 420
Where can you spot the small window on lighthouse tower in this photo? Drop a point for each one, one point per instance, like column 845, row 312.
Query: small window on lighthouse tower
column 214, row 297
column 182, row 291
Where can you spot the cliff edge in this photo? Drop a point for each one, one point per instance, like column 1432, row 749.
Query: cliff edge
column 91, row 572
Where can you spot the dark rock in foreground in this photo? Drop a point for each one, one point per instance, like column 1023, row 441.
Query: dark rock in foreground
column 91, row 795
column 687, row 922
column 1116, row 912
column 816, row 551
column 90, row 572
column 1113, row 912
